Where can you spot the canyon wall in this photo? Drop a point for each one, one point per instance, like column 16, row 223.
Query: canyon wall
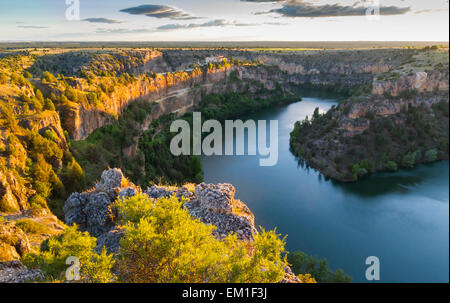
column 170, row 92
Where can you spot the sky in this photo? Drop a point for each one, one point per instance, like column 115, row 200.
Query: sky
column 224, row 20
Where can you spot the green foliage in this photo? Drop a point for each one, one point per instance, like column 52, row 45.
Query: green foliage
column 163, row 243
column 4, row 79
column 48, row 105
column 31, row 226
column 37, row 202
column 231, row 105
column 305, row 264
column 51, row 135
column 431, row 155
column 48, row 77
column 27, row 75
column 39, row 96
column 403, row 135
column 160, row 163
column 51, row 258
column 355, row 171
column 391, row 166
column 410, row 159
column 369, row 166
column 74, row 177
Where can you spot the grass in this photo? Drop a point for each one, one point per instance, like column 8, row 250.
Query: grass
column 30, row 226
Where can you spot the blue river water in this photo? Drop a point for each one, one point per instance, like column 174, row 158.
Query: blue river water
column 402, row 218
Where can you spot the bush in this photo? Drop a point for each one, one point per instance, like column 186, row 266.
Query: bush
column 31, row 226
column 163, row 243
column 51, row 135
column 51, row 258
column 48, row 105
column 391, row 166
column 411, row 158
column 48, row 77
column 37, row 202
column 4, row 79
column 431, row 155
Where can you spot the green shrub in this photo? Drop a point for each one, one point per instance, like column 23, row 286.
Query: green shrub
column 168, row 245
column 51, row 135
column 391, row 166
column 31, row 226
column 431, row 155
column 48, row 77
column 411, row 158
column 37, row 202
column 4, row 79
column 48, row 105
column 51, row 258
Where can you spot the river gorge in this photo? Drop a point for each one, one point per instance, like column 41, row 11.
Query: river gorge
column 401, row 217
column 81, row 115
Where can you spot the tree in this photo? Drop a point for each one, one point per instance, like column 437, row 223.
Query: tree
column 303, row 264
column 316, row 114
column 391, row 166
column 48, row 105
column 431, row 155
column 48, row 77
column 75, row 176
column 39, row 96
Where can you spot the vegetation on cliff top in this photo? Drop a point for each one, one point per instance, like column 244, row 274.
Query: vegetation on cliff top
column 162, row 243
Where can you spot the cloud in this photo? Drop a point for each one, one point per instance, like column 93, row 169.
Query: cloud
column 193, row 25
column 122, row 31
column 213, row 23
column 102, row 20
column 159, row 11
column 299, row 8
column 31, row 26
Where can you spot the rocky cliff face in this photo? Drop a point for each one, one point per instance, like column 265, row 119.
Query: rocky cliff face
column 355, row 122
column 419, row 81
column 171, row 92
column 212, row 204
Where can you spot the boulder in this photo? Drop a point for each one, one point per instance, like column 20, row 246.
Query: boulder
column 111, row 182
column 16, row 272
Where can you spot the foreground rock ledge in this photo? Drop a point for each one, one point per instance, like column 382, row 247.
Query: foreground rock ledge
column 211, row 203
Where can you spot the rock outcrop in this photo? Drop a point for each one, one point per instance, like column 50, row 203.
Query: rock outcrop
column 16, row 272
column 213, row 204
column 13, row 242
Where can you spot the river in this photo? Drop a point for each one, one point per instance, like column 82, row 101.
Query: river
column 402, row 218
